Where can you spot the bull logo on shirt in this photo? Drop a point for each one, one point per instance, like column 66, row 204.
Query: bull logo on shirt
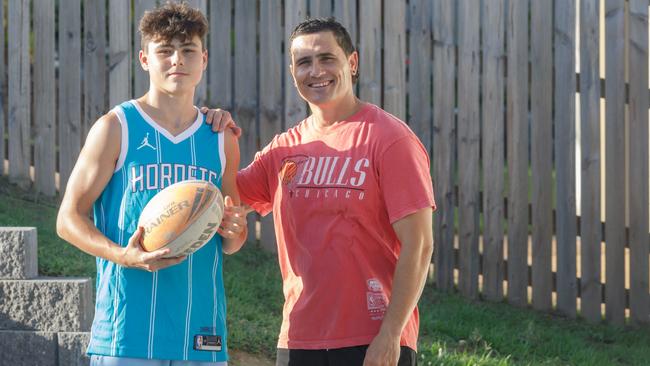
column 329, row 176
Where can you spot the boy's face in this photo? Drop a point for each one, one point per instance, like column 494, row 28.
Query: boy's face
column 321, row 70
column 175, row 66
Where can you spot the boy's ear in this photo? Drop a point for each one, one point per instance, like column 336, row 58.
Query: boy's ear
column 205, row 59
column 144, row 60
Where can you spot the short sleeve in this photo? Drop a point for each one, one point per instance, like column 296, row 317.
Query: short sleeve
column 405, row 178
column 253, row 185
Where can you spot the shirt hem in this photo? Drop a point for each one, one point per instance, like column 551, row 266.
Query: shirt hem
column 334, row 344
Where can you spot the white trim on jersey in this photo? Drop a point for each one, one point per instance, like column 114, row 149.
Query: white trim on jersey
column 188, row 312
column 214, row 296
column 174, row 139
column 222, row 154
column 124, row 144
column 121, row 228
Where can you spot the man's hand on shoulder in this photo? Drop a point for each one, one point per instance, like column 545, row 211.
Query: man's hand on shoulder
column 220, row 120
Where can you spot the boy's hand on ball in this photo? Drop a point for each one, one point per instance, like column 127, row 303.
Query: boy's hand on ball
column 234, row 220
column 134, row 256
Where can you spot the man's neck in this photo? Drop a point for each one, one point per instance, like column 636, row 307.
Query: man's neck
column 175, row 113
column 327, row 115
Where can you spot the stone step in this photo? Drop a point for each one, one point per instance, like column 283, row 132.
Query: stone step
column 19, row 254
column 46, row 304
column 28, row 348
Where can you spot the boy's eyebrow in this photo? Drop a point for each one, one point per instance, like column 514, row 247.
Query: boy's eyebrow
column 184, row 44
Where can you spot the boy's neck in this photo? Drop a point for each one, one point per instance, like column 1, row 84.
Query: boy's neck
column 175, row 113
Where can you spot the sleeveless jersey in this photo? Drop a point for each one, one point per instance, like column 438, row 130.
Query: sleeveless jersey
column 177, row 313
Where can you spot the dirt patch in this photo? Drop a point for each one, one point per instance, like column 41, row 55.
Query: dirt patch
column 239, row 358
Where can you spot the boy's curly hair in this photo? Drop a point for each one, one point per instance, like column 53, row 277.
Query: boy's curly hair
column 170, row 21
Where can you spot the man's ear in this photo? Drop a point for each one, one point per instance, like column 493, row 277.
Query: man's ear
column 144, row 60
column 205, row 59
column 353, row 60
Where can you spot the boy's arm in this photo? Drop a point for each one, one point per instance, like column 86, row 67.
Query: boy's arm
column 233, row 227
column 90, row 175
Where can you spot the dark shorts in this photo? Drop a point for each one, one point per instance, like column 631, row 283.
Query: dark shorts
column 351, row 356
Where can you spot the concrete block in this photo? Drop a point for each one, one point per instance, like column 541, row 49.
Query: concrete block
column 19, row 256
column 72, row 349
column 27, row 348
column 46, row 304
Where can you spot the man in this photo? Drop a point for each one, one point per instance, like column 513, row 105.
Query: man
column 152, row 310
column 352, row 199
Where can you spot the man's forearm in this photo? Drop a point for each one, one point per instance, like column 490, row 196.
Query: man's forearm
column 409, row 279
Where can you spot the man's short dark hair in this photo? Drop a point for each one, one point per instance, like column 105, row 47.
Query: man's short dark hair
column 172, row 20
column 317, row 25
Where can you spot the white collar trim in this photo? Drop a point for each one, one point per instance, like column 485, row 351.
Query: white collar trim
column 174, row 139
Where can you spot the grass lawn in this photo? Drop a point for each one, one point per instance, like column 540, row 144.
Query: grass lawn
column 453, row 330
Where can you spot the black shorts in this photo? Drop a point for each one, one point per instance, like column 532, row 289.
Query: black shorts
column 351, row 356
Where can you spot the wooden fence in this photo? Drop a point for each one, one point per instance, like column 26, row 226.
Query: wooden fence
column 532, row 148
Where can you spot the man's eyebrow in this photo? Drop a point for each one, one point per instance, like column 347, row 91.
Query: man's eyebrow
column 323, row 54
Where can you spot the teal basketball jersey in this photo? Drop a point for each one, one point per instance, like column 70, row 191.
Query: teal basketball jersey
column 177, row 313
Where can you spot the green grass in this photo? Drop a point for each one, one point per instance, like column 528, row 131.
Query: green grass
column 453, row 330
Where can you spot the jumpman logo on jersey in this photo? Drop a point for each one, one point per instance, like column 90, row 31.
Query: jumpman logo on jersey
column 145, row 142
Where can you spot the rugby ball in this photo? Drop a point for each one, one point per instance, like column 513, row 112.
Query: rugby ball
column 182, row 217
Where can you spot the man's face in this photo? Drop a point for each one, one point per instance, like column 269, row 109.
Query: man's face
column 175, row 66
column 321, row 70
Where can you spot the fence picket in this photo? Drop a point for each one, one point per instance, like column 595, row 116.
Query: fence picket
column 345, row 12
column 69, row 88
column 295, row 109
column 320, row 8
column 564, row 95
column 468, row 146
column 395, row 59
column 119, row 58
column 19, row 85
column 201, row 92
column 493, row 162
column 270, row 92
column 3, row 96
column 638, row 183
column 517, row 136
column 140, row 77
column 541, row 153
column 370, row 51
column 444, row 137
column 44, row 94
column 220, row 73
column 590, row 237
column 420, row 69
column 615, row 161
column 94, row 63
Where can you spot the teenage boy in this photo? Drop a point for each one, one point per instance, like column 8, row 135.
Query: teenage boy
column 151, row 310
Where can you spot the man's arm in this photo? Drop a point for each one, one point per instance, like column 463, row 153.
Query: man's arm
column 90, row 175
column 221, row 120
column 416, row 235
column 233, row 227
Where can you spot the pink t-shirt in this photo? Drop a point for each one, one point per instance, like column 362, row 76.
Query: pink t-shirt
column 334, row 199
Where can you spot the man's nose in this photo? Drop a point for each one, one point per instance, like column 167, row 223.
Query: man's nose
column 316, row 70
